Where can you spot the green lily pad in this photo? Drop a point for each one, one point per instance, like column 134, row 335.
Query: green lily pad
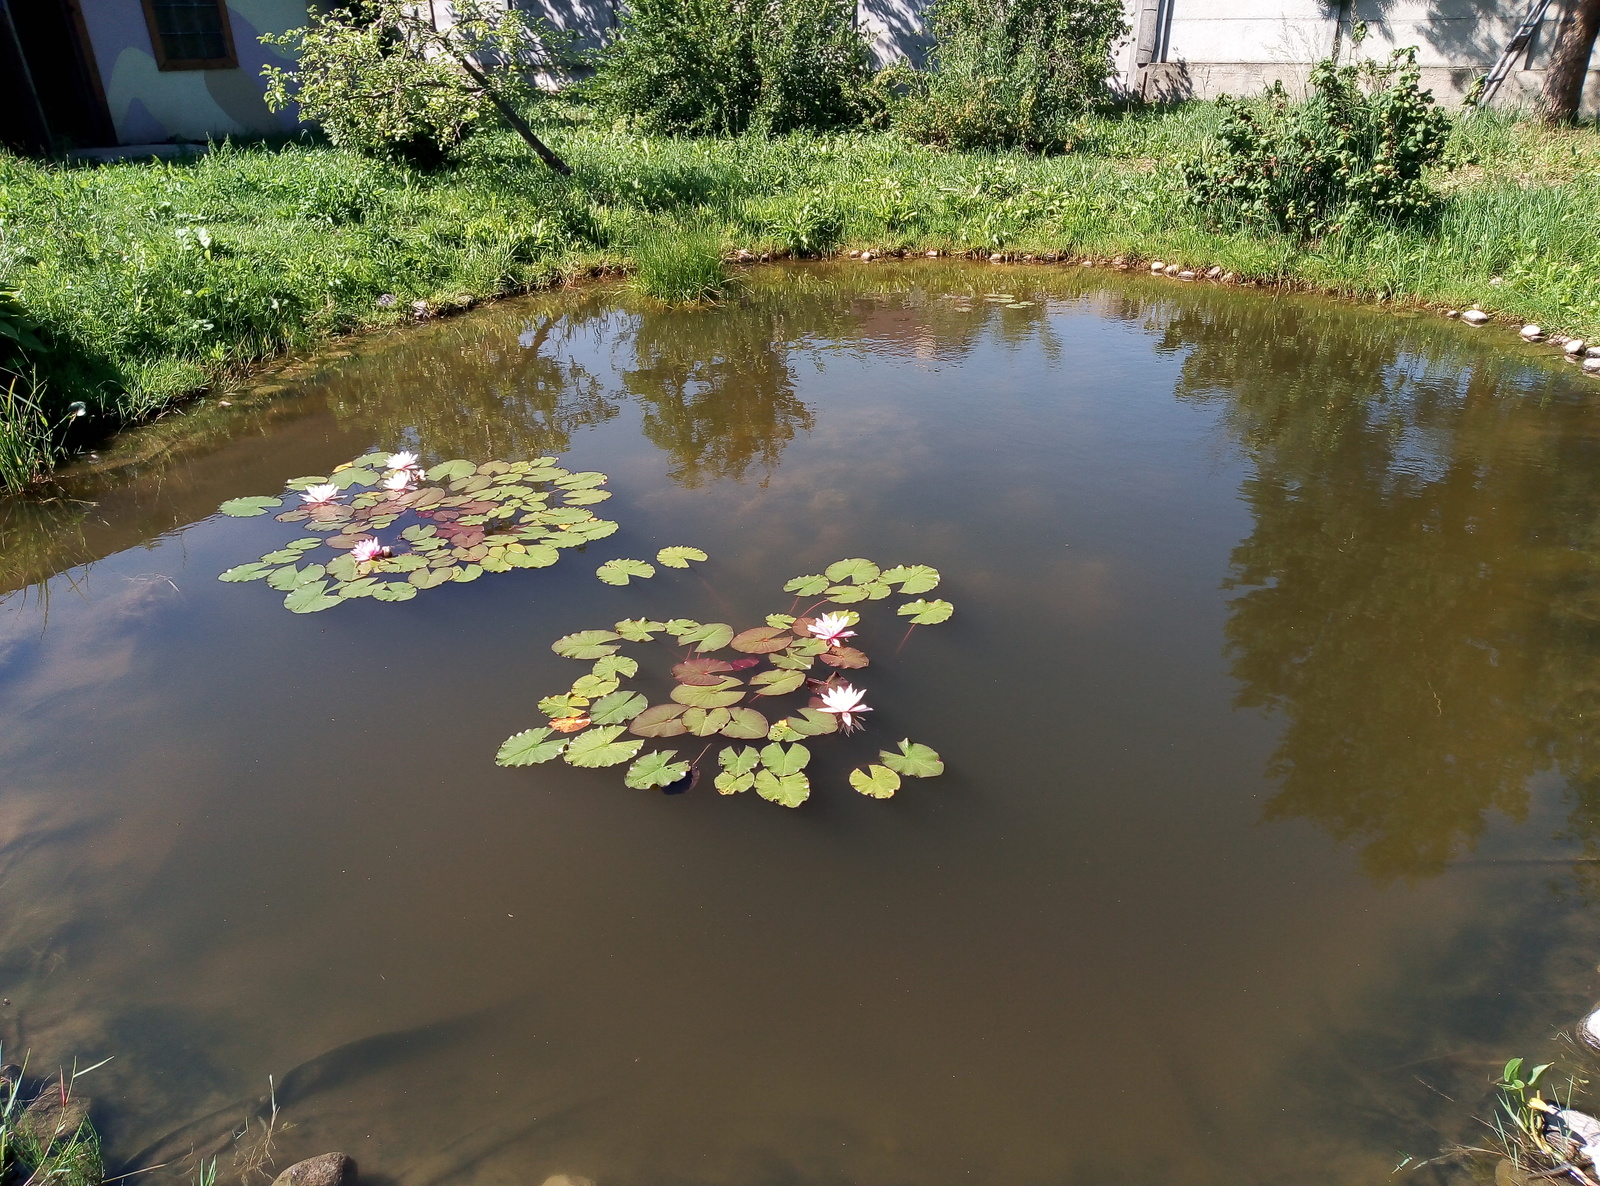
column 678, row 627
column 623, row 665
column 600, row 747
column 784, row 760
column 617, row 708
column 678, row 556
column 253, row 571
column 913, row 578
column 584, row 498
column 914, row 760
column 529, row 747
column 639, row 629
column 283, row 579
column 586, row 480
column 394, row 591
column 848, row 657
column 784, row 730
column 724, row 695
column 856, row 571
column 659, row 720
column 249, row 508
column 586, row 644
column 848, row 594
column 532, row 556
column 926, row 613
column 793, row 661
column 468, row 572
column 744, row 723
column 877, row 781
column 282, row 556
column 713, row 636
column 655, row 769
column 701, row 671
column 788, row 790
column 781, row 620
column 813, row 722
column 418, row 532
column 806, row 586
column 355, row 476
column 310, row 598
column 739, row 759
column 729, row 783
column 447, row 470
column 594, row 685
column 620, row 572
column 777, row 683
column 304, row 483
column 703, row 722
column 763, row 640
column 564, row 705
column 429, row 578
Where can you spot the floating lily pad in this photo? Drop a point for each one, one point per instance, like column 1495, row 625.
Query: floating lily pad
column 655, row 769
column 806, row 586
column 813, row 722
column 678, row 627
column 729, row 783
column 594, row 685
column 781, row 620
column 617, row 708
column 600, row 747
column 926, row 613
column 586, row 480
column 310, row 598
column 639, row 629
column 447, row 470
column 777, row 683
column 624, row 665
column 724, row 695
column 713, row 636
column 529, row 747
column 253, row 571
column 913, row 578
column 784, row 730
column 249, row 508
column 788, row 790
column 394, row 591
column 783, row 760
column 586, row 644
column 913, row 760
column 856, row 571
column 745, row 723
column 678, row 556
column 702, row 671
column 763, row 640
column 620, row 572
column 848, row 657
column 659, row 720
column 879, row 782
column 703, row 722
column 563, row 705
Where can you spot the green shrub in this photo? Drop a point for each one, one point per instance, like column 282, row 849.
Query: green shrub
column 1356, row 149
column 679, row 264
column 1009, row 73
column 724, row 67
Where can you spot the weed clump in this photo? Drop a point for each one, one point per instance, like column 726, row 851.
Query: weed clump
column 679, row 265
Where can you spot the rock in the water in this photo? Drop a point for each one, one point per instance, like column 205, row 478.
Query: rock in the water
column 1229, row 277
column 1452, row 313
column 1213, row 272
column 1592, row 365
column 1531, row 333
column 1186, row 275
column 568, row 1180
column 1574, row 346
column 933, row 255
column 46, row 1118
column 1474, row 317
column 997, row 258
column 329, row 1169
column 1157, row 265
column 1171, row 269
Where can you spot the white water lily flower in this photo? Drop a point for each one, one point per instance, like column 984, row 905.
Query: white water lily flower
column 367, row 549
column 845, row 703
column 831, row 628
column 402, row 461
column 400, row 480
column 316, row 496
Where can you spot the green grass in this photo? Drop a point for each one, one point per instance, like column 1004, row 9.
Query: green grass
column 149, row 281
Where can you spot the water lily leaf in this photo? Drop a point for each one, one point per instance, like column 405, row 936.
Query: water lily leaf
column 813, row 722
column 304, row 544
column 678, row 627
column 282, row 556
column 789, row 790
column 809, row 646
column 703, row 722
column 926, row 613
column 619, row 572
column 305, row 483
column 847, row 657
column 563, row 516
column 254, row 571
column 659, row 720
column 728, row 783
column 848, row 594
column 728, row 693
column 712, row 636
column 564, row 705
column 702, row 672
column 586, row 480
column 594, row 685
column 584, row 498
column 311, row 572
column 857, row 571
column 739, row 759
column 431, row 497
column 600, row 747
column 532, row 556
column 784, row 621
column 283, row 579
column 451, row 469
column 655, row 769
column 777, row 683
column 791, row 661
column 744, row 723
column 763, row 640
column 248, row 508
column 784, row 760
column 310, row 598
column 393, row 591
column 783, row 730
column 495, row 561
column 588, row 532
column 429, row 578
column 913, row 760
column 357, row 588
column 468, row 572
column 806, row 586
column 622, row 665
column 678, row 556
column 471, row 485
column 406, row 562
column 877, row 590
column 586, row 644
column 639, row 629
column 418, row 532
column 529, row 747
column 912, row 578
column 355, row 476
column 543, row 473
column 877, row 781
column 617, row 708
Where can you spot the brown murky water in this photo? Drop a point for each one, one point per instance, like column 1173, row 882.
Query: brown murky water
column 1268, row 707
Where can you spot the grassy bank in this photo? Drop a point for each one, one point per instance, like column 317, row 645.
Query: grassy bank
column 147, row 281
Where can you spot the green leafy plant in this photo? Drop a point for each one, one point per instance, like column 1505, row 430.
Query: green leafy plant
column 1009, row 73
column 744, row 695
column 462, row 520
column 1357, row 149
column 46, row 1138
column 382, row 77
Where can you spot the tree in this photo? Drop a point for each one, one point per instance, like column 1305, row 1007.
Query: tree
column 1569, row 61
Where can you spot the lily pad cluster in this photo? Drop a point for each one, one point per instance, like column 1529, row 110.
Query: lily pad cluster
column 758, row 696
column 385, row 528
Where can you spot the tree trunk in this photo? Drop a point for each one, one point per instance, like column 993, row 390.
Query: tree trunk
column 516, row 121
column 1569, row 62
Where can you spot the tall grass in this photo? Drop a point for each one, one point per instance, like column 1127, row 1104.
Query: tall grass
column 149, row 280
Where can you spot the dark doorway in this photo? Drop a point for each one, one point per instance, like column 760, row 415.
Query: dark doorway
column 46, row 58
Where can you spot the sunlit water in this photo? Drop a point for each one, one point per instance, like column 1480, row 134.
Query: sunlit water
column 1268, row 708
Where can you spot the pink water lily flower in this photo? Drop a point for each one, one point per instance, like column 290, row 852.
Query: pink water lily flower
column 400, row 481
column 402, row 461
column 317, row 496
column 367, row 549
column 845, row 703
column 831, row 628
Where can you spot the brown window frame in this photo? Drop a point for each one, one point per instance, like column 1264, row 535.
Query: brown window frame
column 228, row 62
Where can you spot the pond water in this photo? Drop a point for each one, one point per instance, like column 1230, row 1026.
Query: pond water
column 1271, row 816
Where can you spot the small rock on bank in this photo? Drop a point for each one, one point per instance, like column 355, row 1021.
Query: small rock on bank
column 1474, row 317
column 330, row 1169
column 46, row 1118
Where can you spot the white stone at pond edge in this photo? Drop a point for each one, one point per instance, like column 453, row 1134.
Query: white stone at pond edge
column 1452, row 313
column 1589, row 1029
column 1592, row 365
column 933, row 255
column 1474, row 317
column 1531, row 333
column 1593, row 351
column 1171, row 269
column 1213, row 273
column 1574, row 346
column 1157, row 265
column 1185, row 275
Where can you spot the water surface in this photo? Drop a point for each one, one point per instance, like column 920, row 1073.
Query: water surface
column 1271, row 806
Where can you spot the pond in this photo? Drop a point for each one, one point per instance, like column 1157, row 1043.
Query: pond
column 1270, row 823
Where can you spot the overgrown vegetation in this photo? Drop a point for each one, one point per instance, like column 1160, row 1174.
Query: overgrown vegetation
column 1009, row 73
column 45, row 1135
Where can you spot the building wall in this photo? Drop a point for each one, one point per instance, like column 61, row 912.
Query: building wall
column 152, row 106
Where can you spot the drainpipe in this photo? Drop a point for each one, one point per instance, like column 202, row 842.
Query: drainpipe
column 1341, row 18
column 13, row 46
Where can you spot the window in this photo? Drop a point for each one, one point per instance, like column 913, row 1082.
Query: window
column 190, row 34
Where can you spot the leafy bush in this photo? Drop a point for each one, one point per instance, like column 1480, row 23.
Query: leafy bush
column 381, row 79
column 1356, row 149
column 722, row 67
column 1009, row 73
